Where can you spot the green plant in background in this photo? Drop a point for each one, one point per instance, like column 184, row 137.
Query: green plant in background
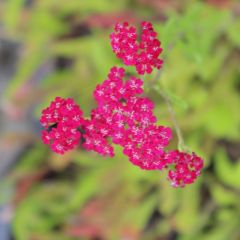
column 80, row 196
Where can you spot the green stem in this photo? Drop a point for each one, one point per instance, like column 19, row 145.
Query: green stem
column 165, row 97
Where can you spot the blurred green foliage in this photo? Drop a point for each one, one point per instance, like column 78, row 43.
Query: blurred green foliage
column 82, row 195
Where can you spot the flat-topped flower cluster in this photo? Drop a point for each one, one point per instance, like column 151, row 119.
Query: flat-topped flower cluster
column 123, row 116
column 143, row 54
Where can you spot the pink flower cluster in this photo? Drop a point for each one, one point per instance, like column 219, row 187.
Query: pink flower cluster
column 127, row 120
column 61, row 121
column 144, row 55
column 187, row 167
column 123, row 116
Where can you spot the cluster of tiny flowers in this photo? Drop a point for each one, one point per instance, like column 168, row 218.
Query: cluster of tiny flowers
column 61, row 121
column 187, row 167
column 123, row 116
column 143, row 54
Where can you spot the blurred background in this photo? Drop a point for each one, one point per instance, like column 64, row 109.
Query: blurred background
column 54, row 48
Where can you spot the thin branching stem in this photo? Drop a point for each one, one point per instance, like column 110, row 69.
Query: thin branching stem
column 167, row 100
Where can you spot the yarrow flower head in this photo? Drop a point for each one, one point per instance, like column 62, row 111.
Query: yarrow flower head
column 123, row 115
column 186, row 167
column 126, row 119
column 61, row 121
column 143, row 54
